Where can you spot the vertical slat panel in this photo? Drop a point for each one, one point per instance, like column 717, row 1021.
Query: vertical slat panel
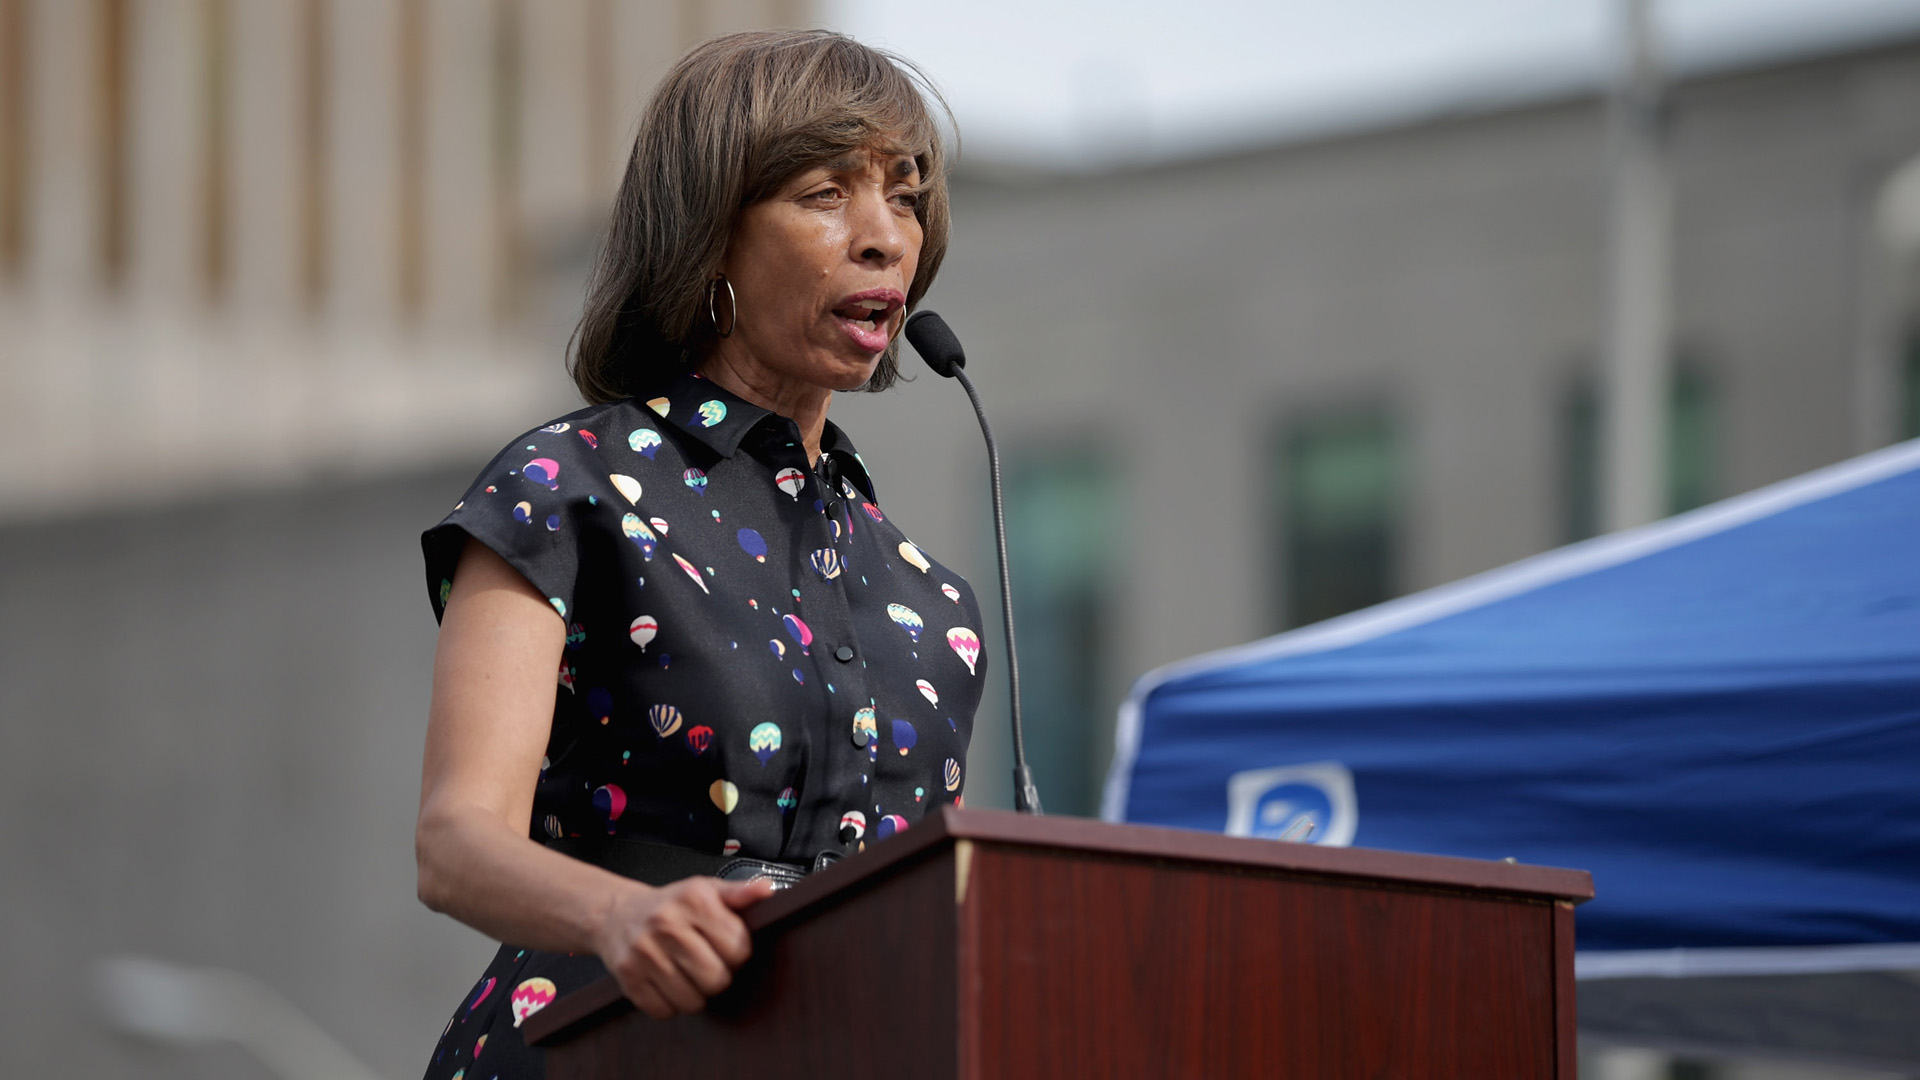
column 363, row 163
column 265, row 106
column 165, row 201
column 14, row 146
column 63, row 170
column 462, row 249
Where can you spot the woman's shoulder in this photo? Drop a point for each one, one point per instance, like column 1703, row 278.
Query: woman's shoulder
column 578, row 435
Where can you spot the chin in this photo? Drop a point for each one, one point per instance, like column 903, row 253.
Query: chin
column 852, row 376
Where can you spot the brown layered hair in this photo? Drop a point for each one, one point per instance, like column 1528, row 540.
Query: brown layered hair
column 736, row 119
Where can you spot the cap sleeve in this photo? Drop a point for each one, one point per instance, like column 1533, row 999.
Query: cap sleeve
column 523, row 508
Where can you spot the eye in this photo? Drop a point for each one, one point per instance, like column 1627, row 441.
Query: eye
column 826, row 193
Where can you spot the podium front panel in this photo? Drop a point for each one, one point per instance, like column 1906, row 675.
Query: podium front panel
column 1087, row 964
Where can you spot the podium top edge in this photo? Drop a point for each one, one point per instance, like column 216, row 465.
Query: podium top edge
column 1184, row 845
column 1192, row 845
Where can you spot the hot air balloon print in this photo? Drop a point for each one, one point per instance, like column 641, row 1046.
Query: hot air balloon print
column 665, row 720
column 542, row 471
column 600, row 704
column 792, row 481
column 659, row 525
column 530, row 997
column 556, row 429
column 643, row 630
column 694, row 573
column 764, row 741
column 907, row 618
column 966, row 645
column 588, row 437
column 872, row 511
column 659, row 405
column 912, row 555
column 724, row 795
column 611, row 801
column 826, row 563
column 853, row 826
column 699, row 738
column 753, row 544
column 481, row 994
column 695, row 479
column 866, row 727
column 787, row 800
column 523, row 512
column 904, row 737
column 627, row 486
column 798, row 631
column 891, row 825
column 779, row 648
column 950, row 774
column 953, row 594
column 927, row 691
column 644, row 441
column 711, row 413
column 552, row 825
column 637, row 531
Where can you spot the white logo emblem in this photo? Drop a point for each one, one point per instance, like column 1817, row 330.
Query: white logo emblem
column 1311, row 803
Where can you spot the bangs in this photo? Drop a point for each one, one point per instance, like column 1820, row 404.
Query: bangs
column 843, row 100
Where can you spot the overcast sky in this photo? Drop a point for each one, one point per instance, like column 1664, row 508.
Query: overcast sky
column 1068, row 81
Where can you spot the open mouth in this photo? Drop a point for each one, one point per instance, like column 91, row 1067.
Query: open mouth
column 868, row 317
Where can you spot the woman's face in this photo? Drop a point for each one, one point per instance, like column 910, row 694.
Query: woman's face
column 820, row 271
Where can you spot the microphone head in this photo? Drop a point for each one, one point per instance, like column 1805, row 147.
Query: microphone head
column 934, row 340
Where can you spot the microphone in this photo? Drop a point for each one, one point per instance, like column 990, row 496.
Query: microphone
column 934, row 340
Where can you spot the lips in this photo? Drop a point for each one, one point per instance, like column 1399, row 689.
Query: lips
column 868, row 316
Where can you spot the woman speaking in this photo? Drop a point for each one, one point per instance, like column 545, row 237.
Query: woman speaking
column 757, row 671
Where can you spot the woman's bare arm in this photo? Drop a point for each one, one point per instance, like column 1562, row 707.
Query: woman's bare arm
column 493, row 687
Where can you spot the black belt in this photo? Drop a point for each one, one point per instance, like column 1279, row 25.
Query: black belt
column 663, row 864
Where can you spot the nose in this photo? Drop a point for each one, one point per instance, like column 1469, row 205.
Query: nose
column 879, row 234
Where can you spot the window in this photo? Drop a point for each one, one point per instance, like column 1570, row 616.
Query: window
column 1910, row 397
column 1060, row 528
column 1338, row 504
column 1692, row 435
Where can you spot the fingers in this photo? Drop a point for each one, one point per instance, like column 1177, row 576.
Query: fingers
column 680, row 944
column 740, row 895
column 723, row 930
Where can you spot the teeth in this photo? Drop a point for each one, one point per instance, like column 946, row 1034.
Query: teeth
column 872, row 305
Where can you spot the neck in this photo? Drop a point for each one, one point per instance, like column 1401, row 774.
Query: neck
column 803, row 403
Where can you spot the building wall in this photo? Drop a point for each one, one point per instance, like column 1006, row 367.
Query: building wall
column 273, row 239
column 1451, row 272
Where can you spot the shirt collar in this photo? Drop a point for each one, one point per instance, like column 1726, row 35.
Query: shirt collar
column 722, row 421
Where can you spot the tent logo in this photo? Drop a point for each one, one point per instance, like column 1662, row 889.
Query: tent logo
column 1311, row 803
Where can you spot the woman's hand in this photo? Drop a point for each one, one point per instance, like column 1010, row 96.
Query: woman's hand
column 672, row 948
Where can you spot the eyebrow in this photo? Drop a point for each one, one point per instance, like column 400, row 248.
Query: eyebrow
column 904, row 164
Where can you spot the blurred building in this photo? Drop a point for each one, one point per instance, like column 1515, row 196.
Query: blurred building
column 1247, row 393
column 277, row 276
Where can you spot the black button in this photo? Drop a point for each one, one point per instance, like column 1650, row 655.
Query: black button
column 860, row 737
column 844, row 654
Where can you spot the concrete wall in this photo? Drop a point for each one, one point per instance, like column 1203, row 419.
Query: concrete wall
column 210, row 755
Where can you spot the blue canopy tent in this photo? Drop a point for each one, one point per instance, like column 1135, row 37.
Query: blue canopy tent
column 1718, row 715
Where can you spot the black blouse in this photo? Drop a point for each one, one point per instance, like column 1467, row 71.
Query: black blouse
column 758, row 661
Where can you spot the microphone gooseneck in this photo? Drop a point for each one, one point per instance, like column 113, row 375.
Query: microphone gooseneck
column 936, row 343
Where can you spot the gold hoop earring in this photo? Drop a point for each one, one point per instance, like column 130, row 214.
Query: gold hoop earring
column 733, row 306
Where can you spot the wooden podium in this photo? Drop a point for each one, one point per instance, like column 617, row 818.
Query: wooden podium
column 983, row 945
